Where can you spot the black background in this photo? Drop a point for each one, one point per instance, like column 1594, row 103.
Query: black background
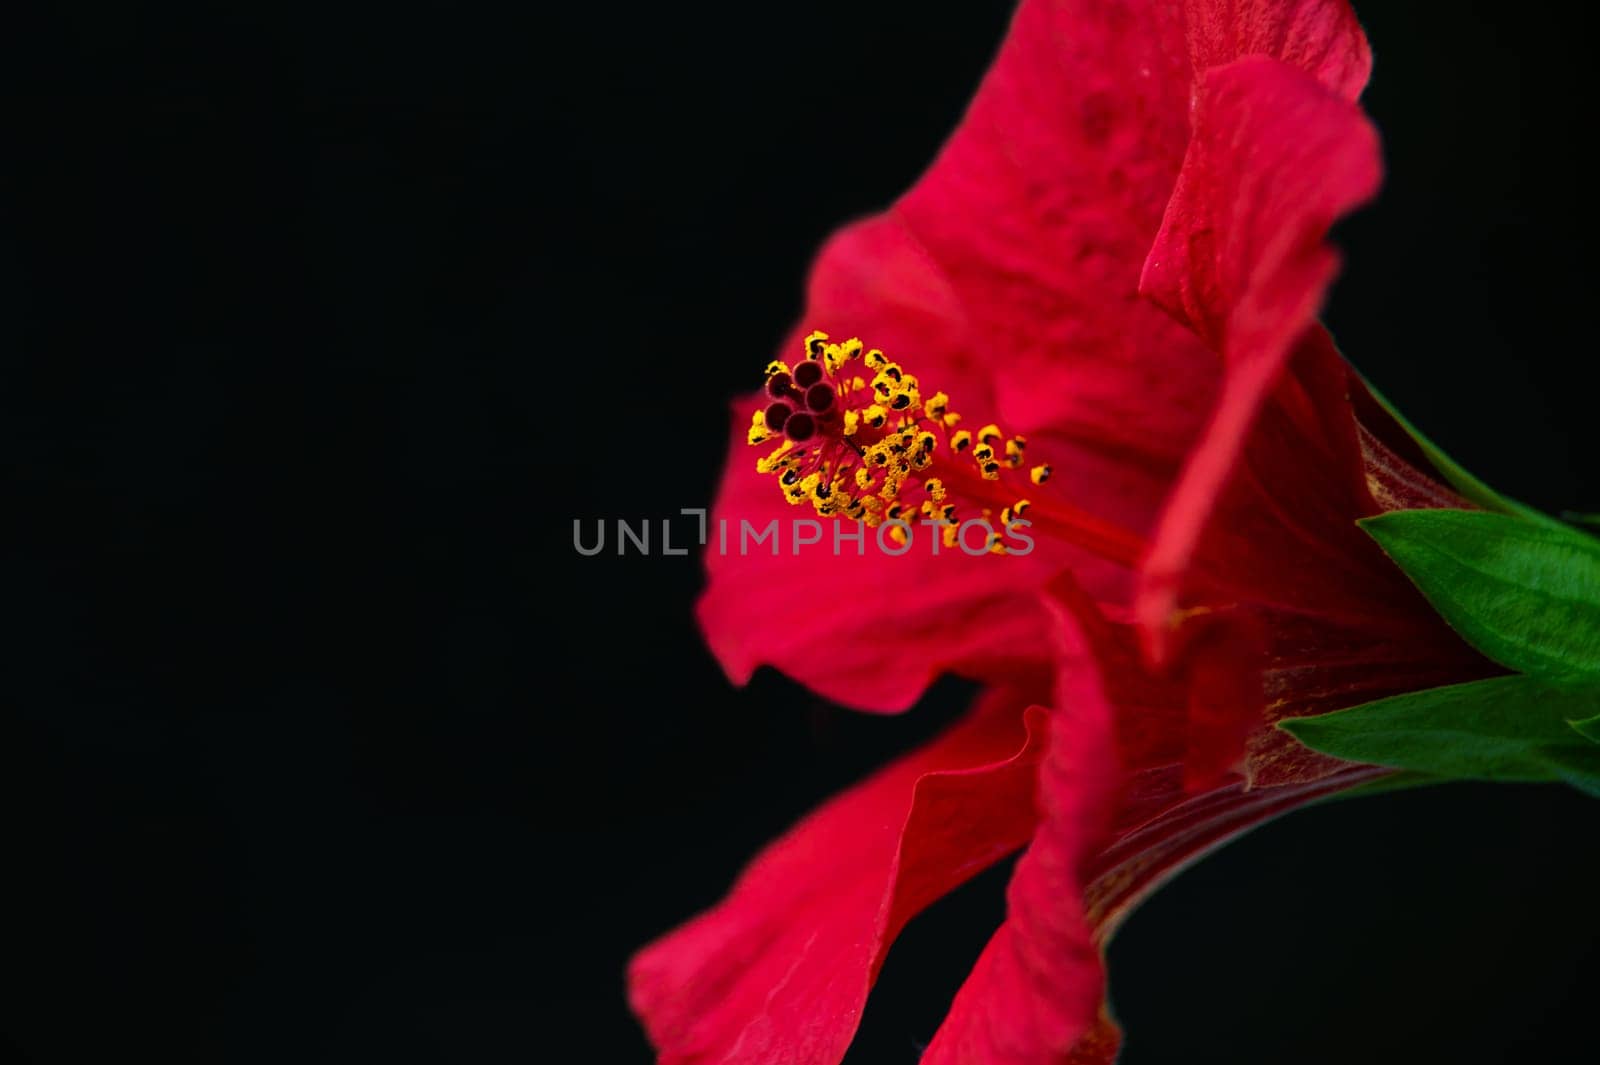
column 319, row 326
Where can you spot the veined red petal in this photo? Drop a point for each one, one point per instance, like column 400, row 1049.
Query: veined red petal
column 1320, row 37
column 780, row 969
column 1294, row 611
column 1040, row 209
column 1038, row 989
column 1275, row 159
column 1281, row 571
column 1118, row 817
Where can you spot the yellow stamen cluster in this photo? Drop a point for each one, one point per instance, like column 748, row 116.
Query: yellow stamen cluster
column 865, row 441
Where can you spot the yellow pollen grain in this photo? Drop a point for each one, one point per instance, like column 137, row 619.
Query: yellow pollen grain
column 772, row 461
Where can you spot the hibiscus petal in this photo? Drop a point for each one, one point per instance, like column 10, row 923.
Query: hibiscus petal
column 780, row 969
column 1038, row 989
column 1118, row 818
column 1320, row 37
column 1040, row 209
column 1275, row 159
column 1282, row 574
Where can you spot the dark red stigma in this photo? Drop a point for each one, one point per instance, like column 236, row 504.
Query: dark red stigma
column 776, row 415
column 807, row 374
column 820, row 397
column 800, row 427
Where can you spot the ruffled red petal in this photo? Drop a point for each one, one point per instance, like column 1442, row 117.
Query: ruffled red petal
column 1038, row 989
column 780, row 969
column 1040, row 210
column 1320, row 37
column 1275, row 159
column 1119, row 816
column 1279, row 560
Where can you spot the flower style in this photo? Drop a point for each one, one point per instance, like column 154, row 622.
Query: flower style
column 1095, row 313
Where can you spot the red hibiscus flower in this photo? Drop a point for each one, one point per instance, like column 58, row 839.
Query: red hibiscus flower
column 1096, row 313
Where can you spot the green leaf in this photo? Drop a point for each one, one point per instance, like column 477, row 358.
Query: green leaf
column 1525, row 594
column 1502, row 729
column 1588, row 728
